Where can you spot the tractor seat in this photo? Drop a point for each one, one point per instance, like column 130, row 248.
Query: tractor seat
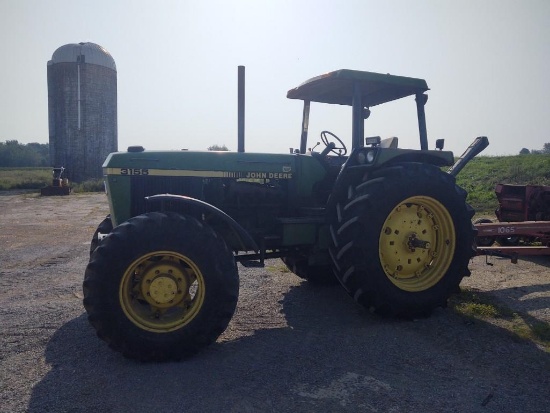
column 389, row 143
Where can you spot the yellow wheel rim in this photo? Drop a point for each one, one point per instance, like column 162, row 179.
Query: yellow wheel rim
column 417, row 243
column 162, row 291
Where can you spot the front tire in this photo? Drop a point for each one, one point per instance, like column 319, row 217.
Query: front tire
column 161, row 287
column 402, row 240
column 105, row 227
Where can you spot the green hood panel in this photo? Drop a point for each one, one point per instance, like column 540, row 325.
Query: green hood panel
column 204, row 164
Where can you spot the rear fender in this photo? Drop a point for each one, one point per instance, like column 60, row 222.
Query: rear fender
column 232, row 232
column 365, row 160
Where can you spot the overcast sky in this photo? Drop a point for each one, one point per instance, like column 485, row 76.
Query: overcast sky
column 487, row 63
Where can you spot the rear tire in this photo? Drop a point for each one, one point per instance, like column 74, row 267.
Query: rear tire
column 509, row 241
column 402, row 240
column 161, row 287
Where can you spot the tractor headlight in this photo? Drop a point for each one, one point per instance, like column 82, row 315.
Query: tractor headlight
column 370, row 156
column 365, row 157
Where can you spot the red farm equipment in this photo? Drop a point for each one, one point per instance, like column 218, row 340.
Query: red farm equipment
column 523, row 226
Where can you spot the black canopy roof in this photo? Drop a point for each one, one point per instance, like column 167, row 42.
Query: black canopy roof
column 338, row 86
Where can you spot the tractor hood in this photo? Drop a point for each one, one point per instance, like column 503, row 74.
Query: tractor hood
column 338, row 87
column 211, row 164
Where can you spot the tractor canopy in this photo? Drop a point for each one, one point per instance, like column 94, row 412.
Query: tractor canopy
column 361, row 90
column 375, row 88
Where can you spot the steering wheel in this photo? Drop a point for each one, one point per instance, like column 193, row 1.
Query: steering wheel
column 338, row 150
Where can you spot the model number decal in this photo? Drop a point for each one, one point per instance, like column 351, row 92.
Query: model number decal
column 134, row 171
column 196, row 173
column 506, row 230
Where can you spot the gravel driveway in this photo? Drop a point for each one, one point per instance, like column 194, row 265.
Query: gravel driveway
column 291, row 347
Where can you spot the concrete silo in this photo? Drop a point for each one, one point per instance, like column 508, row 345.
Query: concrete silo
column 82, row 109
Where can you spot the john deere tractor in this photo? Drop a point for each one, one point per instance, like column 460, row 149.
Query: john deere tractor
column 389, row 224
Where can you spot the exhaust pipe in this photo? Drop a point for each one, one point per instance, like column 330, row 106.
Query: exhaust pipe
column 240, row 114
column 480, row 143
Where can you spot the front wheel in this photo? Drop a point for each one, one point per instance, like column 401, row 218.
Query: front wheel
column 105, row 227
column 402, row 239
column 160, row 287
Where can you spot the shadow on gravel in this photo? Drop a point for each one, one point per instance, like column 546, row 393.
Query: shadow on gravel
column 539, row 260
column 332, row 357
column 528, row 297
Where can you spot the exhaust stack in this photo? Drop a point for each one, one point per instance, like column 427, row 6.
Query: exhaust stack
column 240, row 114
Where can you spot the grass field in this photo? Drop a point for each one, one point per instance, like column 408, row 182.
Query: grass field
column 24, row 178
column 36, row 178
column 481, row 175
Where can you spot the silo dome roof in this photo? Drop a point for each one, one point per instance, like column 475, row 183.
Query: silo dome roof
column 93, row 53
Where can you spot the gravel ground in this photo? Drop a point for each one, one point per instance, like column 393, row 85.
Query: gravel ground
column 291, row 347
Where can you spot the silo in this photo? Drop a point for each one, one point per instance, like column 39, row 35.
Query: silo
column 82, row 109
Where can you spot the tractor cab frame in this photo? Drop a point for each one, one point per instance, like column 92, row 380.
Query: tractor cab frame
column 360, row 90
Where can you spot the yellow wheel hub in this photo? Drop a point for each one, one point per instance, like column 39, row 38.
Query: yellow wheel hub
column 417, row 243
column 163, row 282
column 162, row 291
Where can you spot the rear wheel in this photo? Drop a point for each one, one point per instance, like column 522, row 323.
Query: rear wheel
column 509, row 241
column 161, row 287
column 402, row 240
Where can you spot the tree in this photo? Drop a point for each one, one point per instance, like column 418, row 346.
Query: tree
column 546, row 148
column 15, row 154
column 217, row 147
column 524, row 151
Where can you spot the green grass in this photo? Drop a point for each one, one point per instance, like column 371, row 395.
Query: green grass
column 481, row 175
column 24, row 178
column 91, row 185
column 481, row 306
column 36, row 178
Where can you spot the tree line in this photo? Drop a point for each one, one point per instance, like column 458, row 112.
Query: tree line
column 545, row 150
column 15, row 154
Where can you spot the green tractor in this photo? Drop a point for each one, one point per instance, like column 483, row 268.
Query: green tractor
column 387, row 223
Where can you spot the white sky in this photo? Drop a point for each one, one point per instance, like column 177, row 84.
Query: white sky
column 487, row 63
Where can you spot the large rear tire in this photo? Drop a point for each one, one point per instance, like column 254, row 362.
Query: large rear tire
column 161, row 287
column 402, row 240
